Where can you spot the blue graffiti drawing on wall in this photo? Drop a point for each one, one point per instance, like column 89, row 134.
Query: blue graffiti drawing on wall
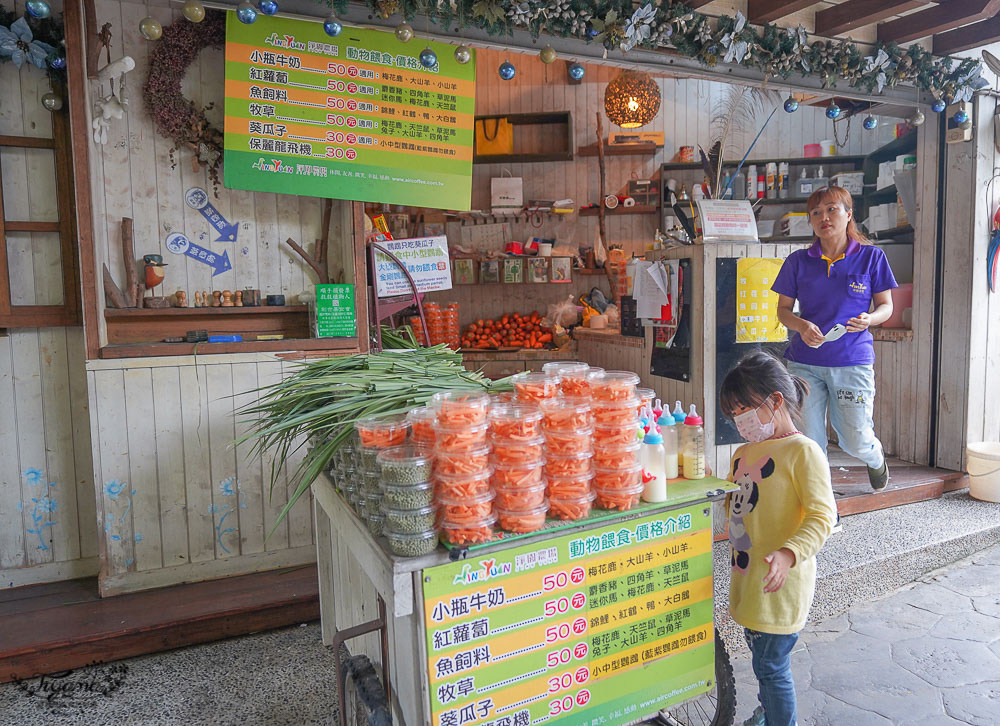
column 226, row 488
column 44, row 506
column 113, row 524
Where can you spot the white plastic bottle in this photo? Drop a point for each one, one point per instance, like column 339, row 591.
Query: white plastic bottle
column 651, row 455
column 671, row 459
column 693, row 446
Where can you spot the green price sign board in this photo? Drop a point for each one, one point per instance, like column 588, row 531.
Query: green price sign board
column 595, row 628
column 333, row 312
column 352, row 117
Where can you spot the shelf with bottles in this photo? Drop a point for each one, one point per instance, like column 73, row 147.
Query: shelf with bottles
column 852, row 159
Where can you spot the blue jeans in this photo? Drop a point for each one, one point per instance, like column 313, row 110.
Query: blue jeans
column 772, row 664
column 849, row 394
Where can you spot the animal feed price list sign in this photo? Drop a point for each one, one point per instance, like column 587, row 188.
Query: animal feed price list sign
column 595, row 628
column 352, row 117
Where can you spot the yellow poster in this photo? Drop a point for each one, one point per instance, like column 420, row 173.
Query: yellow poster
column 756, row 304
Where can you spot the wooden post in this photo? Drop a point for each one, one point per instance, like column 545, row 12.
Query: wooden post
column 133, row 293
column 612, row 278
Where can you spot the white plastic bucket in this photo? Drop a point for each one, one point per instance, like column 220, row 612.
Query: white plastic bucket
column 984, row 470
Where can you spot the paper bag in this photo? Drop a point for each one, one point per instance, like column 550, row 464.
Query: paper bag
column 506, row 194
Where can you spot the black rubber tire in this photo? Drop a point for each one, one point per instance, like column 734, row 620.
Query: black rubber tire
column 364, row 696
column 723, row 702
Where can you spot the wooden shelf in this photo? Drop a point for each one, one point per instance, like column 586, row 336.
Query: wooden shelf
column 902, row 230
column 587, row 271
column 521, row 158
column 114, row 313
column 555, row 127
column 620, row 150
column 894, row 148
column 637, row 209
column 790, row 160
column 143, row 350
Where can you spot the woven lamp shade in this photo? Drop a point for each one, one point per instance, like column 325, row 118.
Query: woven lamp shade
column 632, row 99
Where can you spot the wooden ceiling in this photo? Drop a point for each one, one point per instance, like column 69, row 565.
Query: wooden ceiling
column 943, row 26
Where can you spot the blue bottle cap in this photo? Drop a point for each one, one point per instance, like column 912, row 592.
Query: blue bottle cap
column 652, row 437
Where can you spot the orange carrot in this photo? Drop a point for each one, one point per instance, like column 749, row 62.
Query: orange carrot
column 466, row 536
column 459, row 440
column 617, row 458
column 612, row 413
column 616, row 435
column 517, row 475
column 381, row 438
column 466, row 514
column 466, row 462
column 617, row 500
column 568, row 466
column 617, row 479
column 573, row 442
column 521, row 522
column 519, row 498
column 570, row 508
column 569, row 487
column 507, row 452
column 509, row 427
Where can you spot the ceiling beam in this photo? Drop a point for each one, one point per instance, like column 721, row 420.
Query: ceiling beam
column 854, row 14
column 761, row 12
column 935, row 20
column 967, row 37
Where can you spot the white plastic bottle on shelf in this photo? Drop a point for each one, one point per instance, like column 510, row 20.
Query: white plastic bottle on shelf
column 783, row 180
column 752, row 182
column 651, row 455
column 693, row 446
column 671, row 458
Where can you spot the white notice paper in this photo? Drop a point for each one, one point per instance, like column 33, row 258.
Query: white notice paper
column 727, row 219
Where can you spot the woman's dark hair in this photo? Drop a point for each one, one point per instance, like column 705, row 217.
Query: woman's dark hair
column 757, row 376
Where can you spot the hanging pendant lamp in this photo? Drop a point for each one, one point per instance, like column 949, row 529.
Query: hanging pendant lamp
column 632, row 99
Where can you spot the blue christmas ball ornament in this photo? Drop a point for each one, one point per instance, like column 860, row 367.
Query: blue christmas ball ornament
column 576, row 72
column 58, row 63
column 37, row 9
column 428, row 58
column 870, row 123
column 938, row 106
column 592, row 33
column 332, row 26
column 791, row 104
column 507, row 70
column 961, row 117
column 833, row 110
column 246, row 13
column 268, row 7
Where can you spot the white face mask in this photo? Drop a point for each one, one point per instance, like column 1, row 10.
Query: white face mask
column 750, row 427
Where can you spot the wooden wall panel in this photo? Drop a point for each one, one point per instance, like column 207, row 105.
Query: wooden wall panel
column 179, row 501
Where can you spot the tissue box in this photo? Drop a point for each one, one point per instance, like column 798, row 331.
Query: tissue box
column 795, row 224
column 765, row 228
column 852, row 181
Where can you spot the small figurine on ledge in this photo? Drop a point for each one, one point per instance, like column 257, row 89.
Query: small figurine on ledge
column 154, row 276
column 227, row 298
column 180, row 299
column 216, row 299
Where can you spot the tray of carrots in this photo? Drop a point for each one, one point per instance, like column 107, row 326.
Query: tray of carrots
column 512, row 331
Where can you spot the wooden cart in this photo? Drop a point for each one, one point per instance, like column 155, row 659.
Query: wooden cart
column 675, row 669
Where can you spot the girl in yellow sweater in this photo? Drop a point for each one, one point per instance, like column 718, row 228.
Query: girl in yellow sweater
column 778, row 520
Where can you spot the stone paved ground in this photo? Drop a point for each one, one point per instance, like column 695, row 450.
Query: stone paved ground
column 925, row 655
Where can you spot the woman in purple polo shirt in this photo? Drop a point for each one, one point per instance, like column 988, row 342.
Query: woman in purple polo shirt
column 841, row 280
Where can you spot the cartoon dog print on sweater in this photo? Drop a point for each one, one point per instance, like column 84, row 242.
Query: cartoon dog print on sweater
column 741, row 503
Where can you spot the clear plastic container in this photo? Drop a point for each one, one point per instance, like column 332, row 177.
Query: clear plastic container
column 617, row 434
column 571, row 507
column 515, row 421
column 368, row 459
column 376, row 523
column 567, row 441
column 568, row 487
column 371, row 503
column 646, row 397
column 567, row 413
column 516, row 498
column 612, row 385
column 405, row 464
column 381, row 432
column 561, row 367
column 460, row 408
column 620, row 499
column 502, row 397
column 410, row 521
column 408, row 496
column 349, row 475
column 462, row 508
column 371, row 483
column 465, row 462
column 611, row 479
column 617, row 457
column 523, row 519
column 570, row 465
column 579, row 385
column 349, row 491
column 610, row 413
column 509, row 451
column 468, row 532
column 535, row 386
column 422, row 422
column 466, row 485
column 460, row 439
column 412, row 545
column 518, row 475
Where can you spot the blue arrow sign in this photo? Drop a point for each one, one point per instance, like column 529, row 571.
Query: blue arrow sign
column 197, row 198
column 181, row 245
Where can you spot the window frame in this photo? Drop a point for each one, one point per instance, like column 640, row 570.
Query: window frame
column 69, row 312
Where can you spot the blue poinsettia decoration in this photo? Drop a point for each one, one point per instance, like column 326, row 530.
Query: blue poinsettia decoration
column 18, row 44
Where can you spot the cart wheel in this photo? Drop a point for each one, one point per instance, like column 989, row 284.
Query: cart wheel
column 365, row 703
column 715, row 708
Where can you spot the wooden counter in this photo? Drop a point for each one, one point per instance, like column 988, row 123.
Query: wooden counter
column 503, row 363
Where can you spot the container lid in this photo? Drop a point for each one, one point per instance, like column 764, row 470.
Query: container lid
column 487, row 521
column 535, row 377
column 422, row 413
column 515, row 411
column 605, row 470
column 507, row 487
column 565, row 367
column 455, row 478
column 411, row 537
column 374, row 515
column 612, row 491
column 631, row 402
column 475, row 399
column 483, row 498
column 567, row 433
column 382, row 422
column 526, row 511
column 407, row 488
column 577, row 456
column 499, row 441
column 405, row 455
column 588, row 497
column 473, row 429
column 576, row 404
column 623, row 378
column 482, row 450
column 617, row 448
column 418, row 512
column 693, row 419
column 646, row 394
column 573, row 478
column 532, row 464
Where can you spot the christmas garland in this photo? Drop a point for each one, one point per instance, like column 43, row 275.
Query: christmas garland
column 24, row 39
column 775, row 52
column 174, row 116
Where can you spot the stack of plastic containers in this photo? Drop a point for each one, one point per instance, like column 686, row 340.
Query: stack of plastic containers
column 418, row 330
column 516, row 431
column 406, row 498
column 435, row 322
column 568, row 428
column 531, row 387
column 452, row 333
column 422, row 422
column 462, row 472
column 376, row 434
column 617, row 471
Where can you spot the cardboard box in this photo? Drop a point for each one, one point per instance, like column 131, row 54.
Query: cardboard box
column 853, row 181
column 795, row 224
column 636, row 137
